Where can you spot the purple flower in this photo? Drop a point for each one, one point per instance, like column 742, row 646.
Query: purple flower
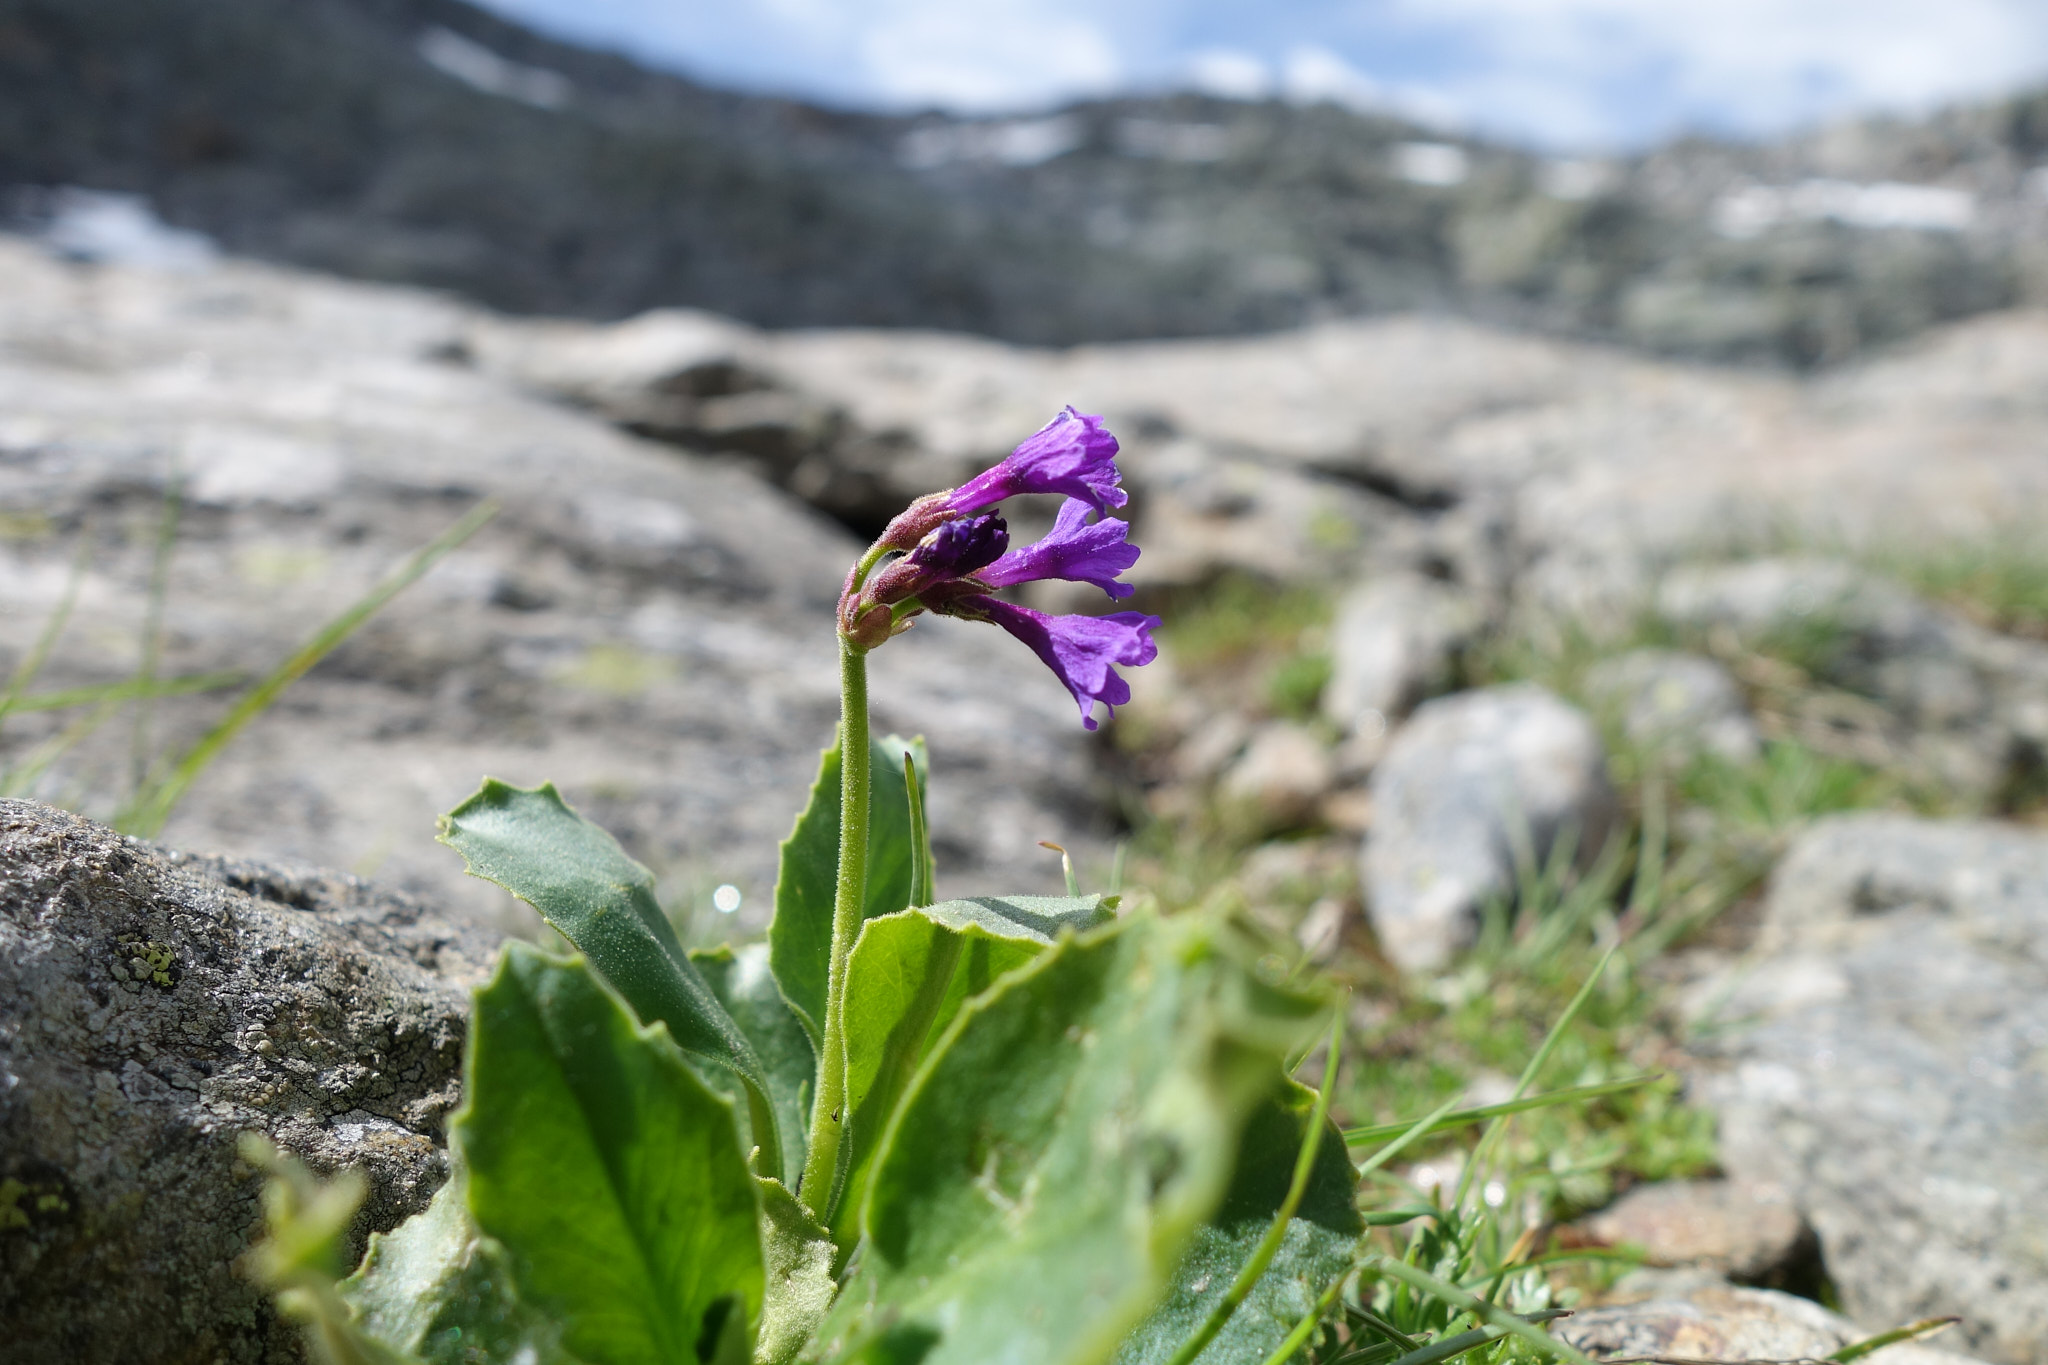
column 1078, row 649
column 1071, row 454
column 959, row 548
column 1075, row 549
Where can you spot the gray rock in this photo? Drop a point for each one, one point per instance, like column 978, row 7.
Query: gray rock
column 1883, row 1059
column 153, row 1006
column 1211, row 747
column 708, row 384
column 1203, row 510
column 1469, row 779
column 1566, row 476
column 1721, row 1322
column 1956, row 700
column 1679, row 703
column 1283, row 774
column 649, row 628
column 1844, row 623
column 1743, row 1231
column 1394, row 644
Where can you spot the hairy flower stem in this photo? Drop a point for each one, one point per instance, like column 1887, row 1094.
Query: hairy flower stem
column 828, row 1113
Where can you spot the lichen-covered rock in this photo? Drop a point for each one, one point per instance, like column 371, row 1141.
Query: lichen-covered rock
column 1720, row 1322
column 1884, row 1062
column 1469, row 780
column 154, row 1006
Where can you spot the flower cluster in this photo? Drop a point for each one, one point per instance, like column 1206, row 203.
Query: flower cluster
column 953, row 553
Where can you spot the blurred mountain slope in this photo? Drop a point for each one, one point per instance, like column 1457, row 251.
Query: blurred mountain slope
column 426, row 142
column 318, row 133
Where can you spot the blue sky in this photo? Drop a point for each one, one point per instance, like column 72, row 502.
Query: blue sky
column 1562, row 73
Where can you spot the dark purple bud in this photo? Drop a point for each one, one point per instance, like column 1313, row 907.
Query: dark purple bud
column 947, row 554
column 961, row 547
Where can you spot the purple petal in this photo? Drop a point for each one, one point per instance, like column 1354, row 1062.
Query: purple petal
column 1078, row 649
column 1071, row 454
column 1075, row 549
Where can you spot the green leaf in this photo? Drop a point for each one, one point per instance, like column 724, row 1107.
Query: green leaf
column 611, row 1174
column 305, row 1221
column 741, row 980
column 923, row 867
column 1321, row 1238
column 437, row 1288
column 534, row 845
column 1058, row 1148
column 907, row 977
column 799, row 1257
column 800, row 937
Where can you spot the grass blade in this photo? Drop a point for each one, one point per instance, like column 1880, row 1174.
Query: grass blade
column 1530, row 1072
column 179, row 686
column 1555, row 1258
column 153, row 807
column 18, row 780
column 39, row 654
column 1393, row 1218
column 153, row 625
column 1357, row 1137
column 1295, row 1339
column 1478, row 1308
column 1646, row 897
column 1401, row 1340
column 1439, row 1351
column 1414, row 1133
column 1858, row 1349
column 1269, row 1245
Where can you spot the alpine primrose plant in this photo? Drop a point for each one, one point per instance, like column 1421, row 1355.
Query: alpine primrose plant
column 1009, row 1128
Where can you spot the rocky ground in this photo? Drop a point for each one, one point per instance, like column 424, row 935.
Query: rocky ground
column 1747, row 671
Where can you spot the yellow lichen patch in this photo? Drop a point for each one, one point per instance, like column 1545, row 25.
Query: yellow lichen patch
column 146, row 960
column 23, row 1202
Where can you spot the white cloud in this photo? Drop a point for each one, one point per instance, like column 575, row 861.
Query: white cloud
column 1570, row 70
column 1314, row 75
column 1568, row 73
column 988, row 56
column 1230, row 74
